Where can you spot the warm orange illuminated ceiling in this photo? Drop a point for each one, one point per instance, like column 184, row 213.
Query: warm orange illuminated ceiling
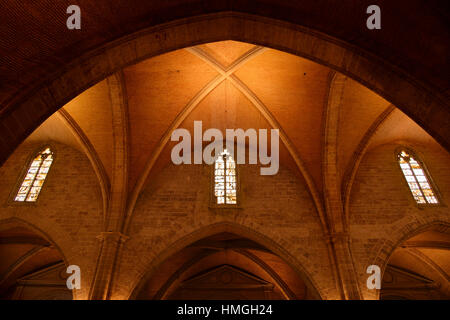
column 234, row 85
column 230, row 84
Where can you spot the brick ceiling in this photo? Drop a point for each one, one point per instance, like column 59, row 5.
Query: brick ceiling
column 294, row 91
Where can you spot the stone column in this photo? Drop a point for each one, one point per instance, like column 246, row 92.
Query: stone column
column 340, row 243
column 111, row 243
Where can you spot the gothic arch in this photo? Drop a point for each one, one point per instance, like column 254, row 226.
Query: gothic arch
column 18, row 222
column 384, row 251
column 236, row 229
column 28, row 110
column 37, row 237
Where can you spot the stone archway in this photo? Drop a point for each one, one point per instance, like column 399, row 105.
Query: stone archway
column 196, row 263
column 33, row 266
column 28, row 110
column 410, row 237
column 417, row 268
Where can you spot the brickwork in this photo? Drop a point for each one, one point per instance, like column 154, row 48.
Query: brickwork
column 428, row 106
column 175, row 205
column 118, row 208
column 173, row 212
column 382, row 211
column 68, row 209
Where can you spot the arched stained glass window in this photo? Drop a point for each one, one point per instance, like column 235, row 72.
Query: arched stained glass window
column 36, row 174
column 417, row 180
column 225, row 179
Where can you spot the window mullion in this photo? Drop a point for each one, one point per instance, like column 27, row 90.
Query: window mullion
column 417, row 181
column 34, row 178
column 421, row 189
column 225, row 179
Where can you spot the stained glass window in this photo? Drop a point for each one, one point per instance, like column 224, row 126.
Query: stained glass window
column 225, row 179
column 32, row 184
column 416, row 178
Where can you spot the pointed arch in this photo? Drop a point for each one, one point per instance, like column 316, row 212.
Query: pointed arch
column 361, row 149
column 385, row 248
column 91, row 154
column 233, row 228
column 268, row 116
column 192, row 104
column 225, row 179
column 35, row 176
column 429, row 108
column 417, row 177
column 25, row 232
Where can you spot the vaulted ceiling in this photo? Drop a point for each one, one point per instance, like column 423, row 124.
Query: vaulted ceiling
column 43, row 64
column 43, row 43
column 423, row 255
column 230, row 84
column 22, row 253
column 222, row 251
